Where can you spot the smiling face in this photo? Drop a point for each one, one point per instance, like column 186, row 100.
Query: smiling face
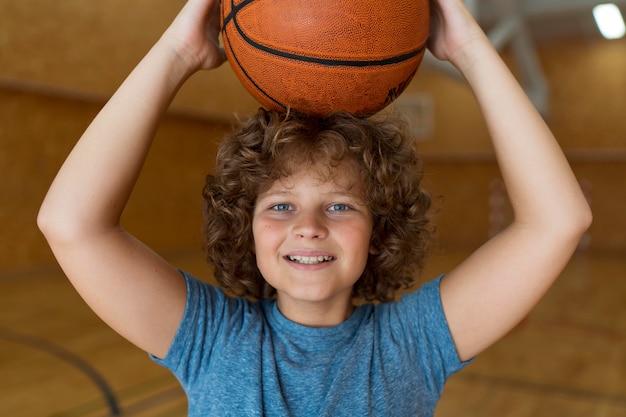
column 312, row 239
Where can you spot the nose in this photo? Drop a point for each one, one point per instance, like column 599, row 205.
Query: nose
column 310, row 225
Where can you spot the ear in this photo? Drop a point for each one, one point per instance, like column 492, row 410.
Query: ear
column 374, row 250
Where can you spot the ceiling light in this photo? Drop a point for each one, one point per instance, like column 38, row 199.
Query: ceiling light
column 610, row 21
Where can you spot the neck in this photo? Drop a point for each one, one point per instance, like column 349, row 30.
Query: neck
column 315, row 314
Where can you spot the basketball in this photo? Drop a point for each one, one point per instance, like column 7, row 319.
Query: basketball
column 320, row 56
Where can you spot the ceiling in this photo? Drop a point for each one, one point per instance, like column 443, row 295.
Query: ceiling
column 546, row 18
column 521, row 25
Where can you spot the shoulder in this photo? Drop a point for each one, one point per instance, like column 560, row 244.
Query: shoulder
column 209, row 302
column 415, row 332
column 211, row 316
column 419, row 319
column 422, row 302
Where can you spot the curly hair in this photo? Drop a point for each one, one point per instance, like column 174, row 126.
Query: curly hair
column 271, row 145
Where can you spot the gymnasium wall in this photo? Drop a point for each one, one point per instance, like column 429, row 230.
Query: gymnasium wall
column 587, row 80
column 60, row 61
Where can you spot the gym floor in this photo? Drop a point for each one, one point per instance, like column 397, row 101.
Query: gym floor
column 568, row 358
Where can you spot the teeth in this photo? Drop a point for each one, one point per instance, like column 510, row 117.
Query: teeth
column 310, row 260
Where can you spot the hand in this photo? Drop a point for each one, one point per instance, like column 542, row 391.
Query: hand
column 454, row 32
column 194, row 35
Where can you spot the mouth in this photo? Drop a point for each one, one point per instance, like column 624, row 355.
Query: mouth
column 310, row 260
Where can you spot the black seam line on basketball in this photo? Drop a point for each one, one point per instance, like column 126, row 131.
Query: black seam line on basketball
column 234, row 9
column 243, row 70
column 330, row 62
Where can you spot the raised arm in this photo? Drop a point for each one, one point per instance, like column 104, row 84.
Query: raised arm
column 491, row 291
column 130, row 287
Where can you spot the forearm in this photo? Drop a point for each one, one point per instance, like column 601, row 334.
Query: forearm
column 132, row 288
column 542, row 188
column 514, row 269
column 95, row 182
column 493, row 289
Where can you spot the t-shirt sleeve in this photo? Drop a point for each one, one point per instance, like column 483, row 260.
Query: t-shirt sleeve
column 202, row 323
column 420, row 315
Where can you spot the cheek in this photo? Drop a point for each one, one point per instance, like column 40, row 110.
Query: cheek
column 265, row 235
column 360, row 239
column 266, row 244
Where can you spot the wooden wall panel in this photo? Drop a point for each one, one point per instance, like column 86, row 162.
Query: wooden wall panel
column 37, row 133
column 606, row 182
column 59, row 61
column 588, row 93
column 458, row 123
column 90, row 47
column 463, row 196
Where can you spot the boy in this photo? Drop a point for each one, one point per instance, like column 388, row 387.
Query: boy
column 315, row 235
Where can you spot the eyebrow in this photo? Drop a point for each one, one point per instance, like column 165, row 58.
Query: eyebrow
column 274, row 193
column 271, row 195
column 333, row 194
column 287, row 191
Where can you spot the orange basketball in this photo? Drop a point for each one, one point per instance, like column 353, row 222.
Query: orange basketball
column 319, row 56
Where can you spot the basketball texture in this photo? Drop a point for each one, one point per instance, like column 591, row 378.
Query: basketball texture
column 319, row 56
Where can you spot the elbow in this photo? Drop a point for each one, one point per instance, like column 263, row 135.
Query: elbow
column 575, row 223
column 44, row 222
column 581, row 216
column 585, row 219
column 57, row 225
column 63, row 225
column 564, row 226
column 49, row 224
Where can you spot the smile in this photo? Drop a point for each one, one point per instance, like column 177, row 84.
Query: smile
column 310, row 260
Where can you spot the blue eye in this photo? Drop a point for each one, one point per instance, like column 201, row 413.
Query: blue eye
column 281, row 207
column 338, row 207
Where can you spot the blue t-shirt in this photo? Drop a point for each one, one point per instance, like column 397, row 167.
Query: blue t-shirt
column 234, row 357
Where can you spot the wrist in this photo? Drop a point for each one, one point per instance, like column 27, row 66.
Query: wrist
column 176, row 63
column 472, row 53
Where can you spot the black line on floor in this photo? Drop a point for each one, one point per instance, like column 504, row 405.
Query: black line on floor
column 160, row 398
column 69, row 358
